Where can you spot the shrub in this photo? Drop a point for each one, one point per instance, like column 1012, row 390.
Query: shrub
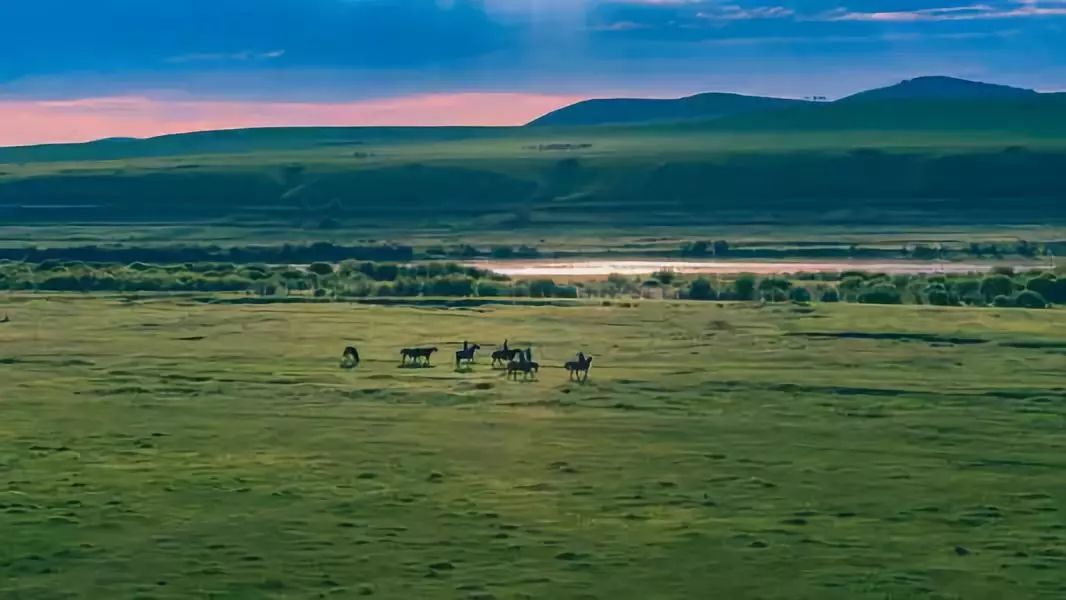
column 831, row 295
column 501, row 252
column 701, row 289
column 775, row 283
column 851, row 285
column 1003, row 302
column 566, row 291
column 452, row 285
column 1048, row 286
column 1030, row 299
column 744, row 286
column 489, row 289
column 542, row 288
column 800, row 294
column 700, row 248
column 665, row 276
column 938, row 295
column 997, row 285
column 321, row 269
column 774, row 295
column 881, row 293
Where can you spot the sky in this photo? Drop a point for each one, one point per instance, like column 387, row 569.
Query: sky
column 78, row 70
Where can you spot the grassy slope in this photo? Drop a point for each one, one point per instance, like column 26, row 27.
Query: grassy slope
column 852, row 164
column 218, row 450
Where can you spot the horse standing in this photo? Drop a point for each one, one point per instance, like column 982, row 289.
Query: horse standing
column 580, row 366
column 416, row 354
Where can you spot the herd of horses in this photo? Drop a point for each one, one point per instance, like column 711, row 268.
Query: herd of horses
column 515, row 361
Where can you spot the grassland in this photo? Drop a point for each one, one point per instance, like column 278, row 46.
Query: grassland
column 167, row 448
column 561, row 183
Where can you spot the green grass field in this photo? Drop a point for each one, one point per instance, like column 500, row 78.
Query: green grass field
column 167, row 448
column 534, row 182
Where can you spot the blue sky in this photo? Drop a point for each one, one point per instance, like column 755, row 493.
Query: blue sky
column 344, row 51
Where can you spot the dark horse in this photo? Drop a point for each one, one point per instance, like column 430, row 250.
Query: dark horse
column 504, row 355
column 524, row 364
column 416, row 354
column 579, row 367
column 350, row 358
column 466, row 354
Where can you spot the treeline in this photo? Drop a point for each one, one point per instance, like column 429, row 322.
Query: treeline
column 285, row 253
column 355, row 279
column 919, row 251
column 1002, row 288
column 320, row 279
column 277, row 254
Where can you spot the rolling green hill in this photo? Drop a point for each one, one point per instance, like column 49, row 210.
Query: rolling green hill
column 1039, row 115
column 951, row 159
column 645, row 110
column 943, row 87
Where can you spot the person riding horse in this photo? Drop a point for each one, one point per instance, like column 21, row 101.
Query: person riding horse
column 523, row 364
column 466, row 354
column 579, row 366
column 505, row 355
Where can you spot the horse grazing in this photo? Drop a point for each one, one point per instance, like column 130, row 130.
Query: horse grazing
column 504, row 355
column 350, row 358
column 579, row 366
column 416, row 354
column 524, row 364
column 466, row 354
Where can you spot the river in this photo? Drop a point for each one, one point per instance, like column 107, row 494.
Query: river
column 602, row 268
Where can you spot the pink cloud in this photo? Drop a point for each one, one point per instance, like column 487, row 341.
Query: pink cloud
column 52, row 121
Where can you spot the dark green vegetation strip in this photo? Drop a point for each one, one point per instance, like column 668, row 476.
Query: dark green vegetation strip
column 569, row 179
column 170, row 449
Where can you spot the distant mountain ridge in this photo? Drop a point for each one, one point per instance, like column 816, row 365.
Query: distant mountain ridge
column 923, row 104
column 939, row 87
column 619, row 111
column 712, row 107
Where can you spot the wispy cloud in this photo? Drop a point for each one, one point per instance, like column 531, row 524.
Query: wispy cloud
column 1013, row 10
column 860, row 39
column 733, row 12
column 244, row 55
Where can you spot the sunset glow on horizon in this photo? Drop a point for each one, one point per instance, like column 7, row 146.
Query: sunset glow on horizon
column 60, row 121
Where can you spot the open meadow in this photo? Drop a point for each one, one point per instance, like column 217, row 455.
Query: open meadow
column 169, row 447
